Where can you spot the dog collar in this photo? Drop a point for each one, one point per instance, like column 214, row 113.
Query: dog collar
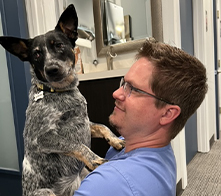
column 43, row 87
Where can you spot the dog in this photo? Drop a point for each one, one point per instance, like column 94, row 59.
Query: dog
column 57, row 133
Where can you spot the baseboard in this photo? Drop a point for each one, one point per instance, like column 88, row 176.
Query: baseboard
column 179, row 189
column 211, row 141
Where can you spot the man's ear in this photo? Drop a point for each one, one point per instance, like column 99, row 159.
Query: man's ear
column 171, row 112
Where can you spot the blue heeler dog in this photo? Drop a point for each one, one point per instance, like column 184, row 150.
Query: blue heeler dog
column 57, row 134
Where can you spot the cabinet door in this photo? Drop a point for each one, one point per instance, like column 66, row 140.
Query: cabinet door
column 98, row 94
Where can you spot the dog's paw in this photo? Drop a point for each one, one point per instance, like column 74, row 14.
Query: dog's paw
column 43, row 192
column 117, row 143
column 96, row 163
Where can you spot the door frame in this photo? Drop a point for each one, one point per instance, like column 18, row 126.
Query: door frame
column 203, row 27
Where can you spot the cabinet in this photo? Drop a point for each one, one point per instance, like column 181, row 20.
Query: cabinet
column 98, row 93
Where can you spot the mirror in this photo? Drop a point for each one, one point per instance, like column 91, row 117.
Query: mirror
column 122, row 25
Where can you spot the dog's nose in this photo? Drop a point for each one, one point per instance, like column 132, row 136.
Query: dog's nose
column 52, row 70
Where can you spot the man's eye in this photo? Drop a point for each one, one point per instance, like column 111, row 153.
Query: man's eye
column 135, row 90
column 131, row 88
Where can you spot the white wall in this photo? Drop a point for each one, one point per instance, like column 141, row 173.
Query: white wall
column 204, row 51
column 172, row 36
column 219, row 51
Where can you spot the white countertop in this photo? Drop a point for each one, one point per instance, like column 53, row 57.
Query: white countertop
column 103, row 74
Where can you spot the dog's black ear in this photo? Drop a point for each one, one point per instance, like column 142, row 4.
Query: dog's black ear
column 68, row 23
column 16, row 46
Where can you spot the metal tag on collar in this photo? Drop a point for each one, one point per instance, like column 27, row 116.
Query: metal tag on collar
column 40, row 86
column 38, row 96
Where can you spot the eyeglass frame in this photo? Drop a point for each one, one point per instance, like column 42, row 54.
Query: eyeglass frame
column 124, row 84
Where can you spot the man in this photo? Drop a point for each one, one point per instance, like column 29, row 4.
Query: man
column 162, row 89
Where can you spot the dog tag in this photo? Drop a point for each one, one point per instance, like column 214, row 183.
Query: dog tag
column 38, row 96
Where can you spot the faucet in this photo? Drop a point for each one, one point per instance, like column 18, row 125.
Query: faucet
column 110, row 57
column 86, row 33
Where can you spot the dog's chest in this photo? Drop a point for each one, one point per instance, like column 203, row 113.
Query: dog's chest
column 61, row 112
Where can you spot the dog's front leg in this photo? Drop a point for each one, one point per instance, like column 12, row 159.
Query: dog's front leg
column 90, row 159
column 101, row 131
column 51, row 142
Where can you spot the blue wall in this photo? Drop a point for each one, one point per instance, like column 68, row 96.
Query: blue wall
column 14, row 24
column 186, row 15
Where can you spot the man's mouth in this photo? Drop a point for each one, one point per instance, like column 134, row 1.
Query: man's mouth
column 117, row 107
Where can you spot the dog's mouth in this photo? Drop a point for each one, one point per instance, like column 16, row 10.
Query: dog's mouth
column 55, row 74
column 65, row 82
column 59, row 77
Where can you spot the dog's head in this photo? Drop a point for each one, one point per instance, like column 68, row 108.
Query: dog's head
column 52, row 54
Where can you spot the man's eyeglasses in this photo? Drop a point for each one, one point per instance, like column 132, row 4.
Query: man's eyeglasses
column 128, row 89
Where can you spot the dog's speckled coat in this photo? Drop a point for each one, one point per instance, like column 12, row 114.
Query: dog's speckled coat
column 50, row 130
column 57, row 132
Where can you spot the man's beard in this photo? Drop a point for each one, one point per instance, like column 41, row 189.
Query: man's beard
column 114, row 125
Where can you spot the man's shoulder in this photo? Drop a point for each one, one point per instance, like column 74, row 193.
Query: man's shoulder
column 104, row 180
column 144, row 154
column 142, row 161
column 140, row 172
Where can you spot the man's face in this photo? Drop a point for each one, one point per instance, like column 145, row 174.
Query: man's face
column 136, row 115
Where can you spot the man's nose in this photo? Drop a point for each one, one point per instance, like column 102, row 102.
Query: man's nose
column 119, row 94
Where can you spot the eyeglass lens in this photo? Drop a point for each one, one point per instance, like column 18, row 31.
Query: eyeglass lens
column 126, row 87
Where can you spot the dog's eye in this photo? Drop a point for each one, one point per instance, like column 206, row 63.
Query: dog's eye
column 37, row 54
column 59, row 45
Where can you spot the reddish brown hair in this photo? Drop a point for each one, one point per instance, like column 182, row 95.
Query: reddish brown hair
column 178, row 77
